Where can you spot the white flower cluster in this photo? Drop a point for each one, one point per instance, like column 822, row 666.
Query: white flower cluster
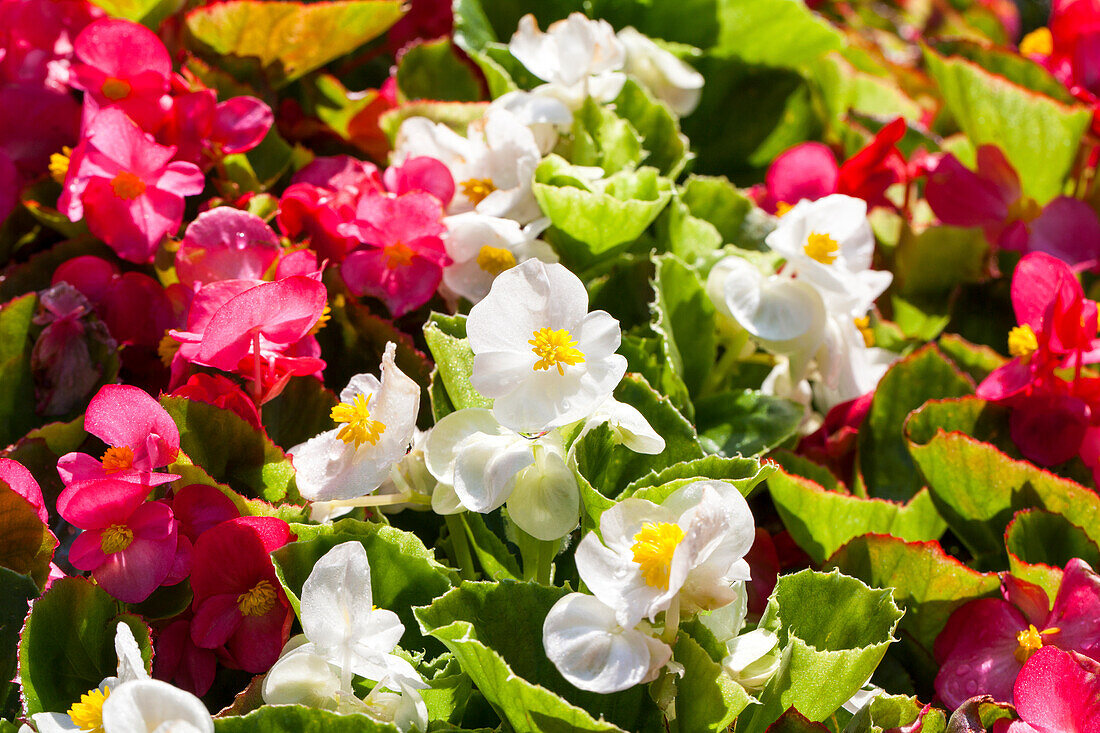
column 813, row 313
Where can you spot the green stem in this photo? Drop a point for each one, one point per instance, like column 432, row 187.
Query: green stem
column 726, row 363
column 456, row 528
column 547, row 550
column 672, row 622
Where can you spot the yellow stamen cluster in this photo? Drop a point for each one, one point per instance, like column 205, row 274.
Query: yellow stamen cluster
column 477, row 189
column 554, row 348
column 399, row 255
column 127, row 185
column 116, row 89
column 258, row 600
column 87, row 715
column 115, row 538
column 653, row 548
column 1022, row 341
column 359, row 428
column 117, row 458
column 167, row 349
column 1030, row 641
column 495, row 260
column 821, row 247
column 1025, row 209
column 1039, row 42
column 326, row 316
column 865, row 330
column 782, row 208
column 59, row 164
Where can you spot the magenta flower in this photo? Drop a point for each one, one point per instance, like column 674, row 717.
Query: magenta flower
column 37, row 38
column 22, row 482
column 239, row 604
column 421, row 174
column 402, row 264
column 214, row 389
column 205, row 130
column 1055, row 692
column 127, row 187
column 124, row 65
column 226, row 244
column 198, row 507
column 141, row 435
column 992, row 198
column 180, row 661
column 987, row 641
column 129, row 545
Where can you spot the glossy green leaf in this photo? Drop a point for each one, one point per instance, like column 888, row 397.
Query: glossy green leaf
column 773, row 33
column 446, row 337
column 16, row 591
column 1040, row 543
column 666, row 147
column 432, row 70
column 707, row 699
column 683, row 317
column 746, row 422
column 601, row 138
column 17, row 403
column 26, row 544
column 939, row 258
column 744, row 473
column 299, row 719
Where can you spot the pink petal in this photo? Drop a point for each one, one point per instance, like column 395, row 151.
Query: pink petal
column 977, row 647
column 98, row 504
column 1076, row 611
column 86, row 552
column 199, row 507
column 233, row 556
column 1069, row 230
column 1058, row 692
column 402, row 289
column 1048, row 428
column 133, row 574
column 806, row 171
column 216, row 619
column 152, row 521
column 225, row 244
column 1039, row 282
column 91, row 275
column 961, row 197
column 259, row 639
column 123, row 50
column 241, row 123
column 122, row 415
column 421, row 174
column 22, row 482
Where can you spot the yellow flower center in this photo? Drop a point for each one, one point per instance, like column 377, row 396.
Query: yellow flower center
column 554, row 348
column 653, row 548
column 399, row 255
column 821, row 247
column 1025, row 209
column 87, row 714
column 127, row 185
column 868, row 333
column 476, row 189
column 116, row 89
column 257, row 601
column 117, row 458
column 782, row 208
column 326, row 316
column 1037, row 43
column 495, row 260
column 115, row 538
column 59, row 164
column 1030, row 641
column 358, row 428
column 167, row 349
column 1022, row 341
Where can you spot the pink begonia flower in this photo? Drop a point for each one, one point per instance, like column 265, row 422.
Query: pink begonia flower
column 403, row 262
column 833, row 445
column 141, row 434
column 214, row 389
column 10, row 185
column 128, row 544
column 22, row 482
column 37, row 39
column 225, row 244
column 1055, row 692
column 124, row 65
column 199, row 507
column 421, row 174
column 205, row 130
column 127, row 187
column 239, row 603
column 986, row 642
column 992, row 198
column 180, row 661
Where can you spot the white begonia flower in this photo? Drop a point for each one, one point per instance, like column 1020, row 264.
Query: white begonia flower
column 688, row 550
column 578, row 57
column 87, row 713
column 378, row 419
column 667, row 77
column 752, row 659
column 303, row 677
column 545, row 115
column 829, row 244
column 784, row 316
column 538, row 352
column 627, row 425
column 594, row 652
column 481, row 247
column 849, row 367
column 488, row 465
column 493, row 166
column 152, row 706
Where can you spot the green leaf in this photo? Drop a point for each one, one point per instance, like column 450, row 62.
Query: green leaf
column 716, row 200
column 745, row 423
column 432, row 70
column 1039, row 545
column 26, row 544
column 889, row 712
column 1009, row 64
column 773, row 33
column 744, row 473
column 232, row 451
column 455, row 115
column 833, row 631
column 1039, row 135
column 822, row 521
column 492, row 554
column 646, row 357
column 287, row 40
column 666, row 147
column 939, row 258
column 792, row 721
column 301, row 411
column 404, row 573
column 977, row 489
column 684, row 235
column 16, row 591
column 17, row 403
column 299, row 719
column 68, row 644
column 495, row 631
column 605, row 218
column 602, row 138
column 707, row 699
column 148, row 12
column 927, row 583
column 977, row 361
column 683, row 316
column 887, row 468
column 446, row 337
column 844, row 88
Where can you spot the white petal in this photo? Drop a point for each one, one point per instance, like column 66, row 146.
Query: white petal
column 302, row 679
column 585, row 642
column 440, row 447
column 545, row 502
column 628, row 426
column 145, row 706
column 486, row 467
column 338, row 584
column 130, row 664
